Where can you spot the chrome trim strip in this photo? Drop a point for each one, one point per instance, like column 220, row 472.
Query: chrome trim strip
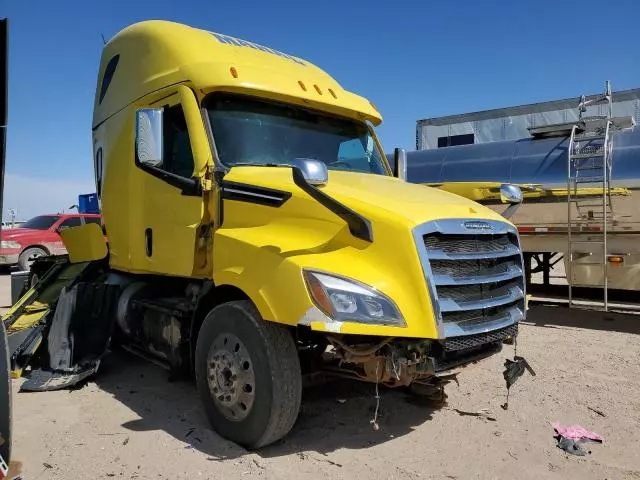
column 252, row 194
column 456, row 330
column 448, row 280
column 450, row 305
column 510, row 251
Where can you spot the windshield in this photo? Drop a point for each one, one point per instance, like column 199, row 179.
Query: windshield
column 42, row 222
column 250, row 131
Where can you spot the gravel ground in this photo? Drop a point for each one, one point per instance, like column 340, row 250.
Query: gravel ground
column 132, row 422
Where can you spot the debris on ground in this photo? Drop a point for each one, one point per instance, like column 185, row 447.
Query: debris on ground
column 514, row 369
column 482, row 413
column 571, row 439
column 595, row 410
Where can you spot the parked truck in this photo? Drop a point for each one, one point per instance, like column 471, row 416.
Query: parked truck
column 258, row 236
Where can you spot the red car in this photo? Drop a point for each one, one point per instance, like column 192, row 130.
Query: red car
column 39, row 237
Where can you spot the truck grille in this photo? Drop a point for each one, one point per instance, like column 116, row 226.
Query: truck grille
column 470, row 341
column 477, row 277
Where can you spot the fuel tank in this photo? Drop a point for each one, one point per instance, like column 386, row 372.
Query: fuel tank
column 540, row 167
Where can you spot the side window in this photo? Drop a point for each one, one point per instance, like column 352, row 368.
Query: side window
column 109, row 70
column 98, row 170
column 70, row 222
column 178, row 158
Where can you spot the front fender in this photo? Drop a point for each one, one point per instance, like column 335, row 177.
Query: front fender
column 266, row 263
column 272, row 281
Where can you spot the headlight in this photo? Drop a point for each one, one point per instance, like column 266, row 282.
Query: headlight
column 346, row 300
column 9, row 244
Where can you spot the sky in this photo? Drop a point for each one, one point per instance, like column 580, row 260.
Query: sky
column 413, row 58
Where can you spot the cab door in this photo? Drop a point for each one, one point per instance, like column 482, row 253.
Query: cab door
column 165, row 234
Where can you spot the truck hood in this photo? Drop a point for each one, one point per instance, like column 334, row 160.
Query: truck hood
column 374, row 195
column 262, row 247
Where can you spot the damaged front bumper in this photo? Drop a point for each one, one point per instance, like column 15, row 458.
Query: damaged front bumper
column 397, row 362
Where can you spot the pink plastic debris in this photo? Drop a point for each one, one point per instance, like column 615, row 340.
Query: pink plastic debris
column 576, row 432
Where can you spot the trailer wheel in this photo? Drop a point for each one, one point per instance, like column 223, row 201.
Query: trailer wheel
column 27, row 257
column 248, row 375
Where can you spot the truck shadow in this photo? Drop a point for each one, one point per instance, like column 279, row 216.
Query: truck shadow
column 558, row 316
column 333, row 416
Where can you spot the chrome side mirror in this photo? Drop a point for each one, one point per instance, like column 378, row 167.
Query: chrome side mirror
column 314, row 172
column 400, row 158
column 511, row 194
column 149, row 136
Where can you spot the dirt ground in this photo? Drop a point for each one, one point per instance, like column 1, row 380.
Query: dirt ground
column 132, row 422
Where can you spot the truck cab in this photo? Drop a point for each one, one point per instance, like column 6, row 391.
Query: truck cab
column 257, row 234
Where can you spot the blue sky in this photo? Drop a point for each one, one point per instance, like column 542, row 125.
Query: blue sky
column 413, row 59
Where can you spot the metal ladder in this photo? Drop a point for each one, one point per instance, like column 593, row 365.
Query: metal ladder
column 590, row 210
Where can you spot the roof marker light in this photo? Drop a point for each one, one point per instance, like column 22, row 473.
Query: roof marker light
column 302, row 85
column 234, row 72
column 318, row 89
column 333, row 93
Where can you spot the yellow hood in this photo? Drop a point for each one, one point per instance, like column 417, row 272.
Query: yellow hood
column 374, row 196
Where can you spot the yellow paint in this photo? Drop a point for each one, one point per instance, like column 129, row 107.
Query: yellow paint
column 490, row 191
column 30, row 318
column 258, row 249
column 262, row 250
column 85, row 243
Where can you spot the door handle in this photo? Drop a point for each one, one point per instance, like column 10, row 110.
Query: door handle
column 148, row 241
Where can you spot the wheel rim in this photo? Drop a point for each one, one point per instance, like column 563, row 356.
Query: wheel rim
column 231, row 377
column 31, row 258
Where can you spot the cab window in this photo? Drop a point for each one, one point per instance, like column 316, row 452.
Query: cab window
column 178, row 158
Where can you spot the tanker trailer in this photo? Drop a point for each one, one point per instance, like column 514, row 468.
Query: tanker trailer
column 602, row 247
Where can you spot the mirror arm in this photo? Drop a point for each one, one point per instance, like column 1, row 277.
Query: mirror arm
column 511, row 210
column 359, row 226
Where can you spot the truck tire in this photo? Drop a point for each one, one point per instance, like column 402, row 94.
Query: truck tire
column 27, row 257
column 248, row 375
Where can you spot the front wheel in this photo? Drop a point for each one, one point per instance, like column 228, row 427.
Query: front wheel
column 28, row 256
column 248, row 375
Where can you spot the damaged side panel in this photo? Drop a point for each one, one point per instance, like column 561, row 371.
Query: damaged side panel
column 60, row 326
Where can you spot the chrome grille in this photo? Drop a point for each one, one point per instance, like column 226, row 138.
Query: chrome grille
column 479, row 316
column 478, row 292
column 470, row 268
column 455, row 244
column 476, row 277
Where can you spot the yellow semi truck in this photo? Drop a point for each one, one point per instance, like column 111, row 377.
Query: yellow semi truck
column 257, row 236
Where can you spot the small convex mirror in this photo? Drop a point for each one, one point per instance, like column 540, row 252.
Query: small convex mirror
column 510, row 193
column 149, row 136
